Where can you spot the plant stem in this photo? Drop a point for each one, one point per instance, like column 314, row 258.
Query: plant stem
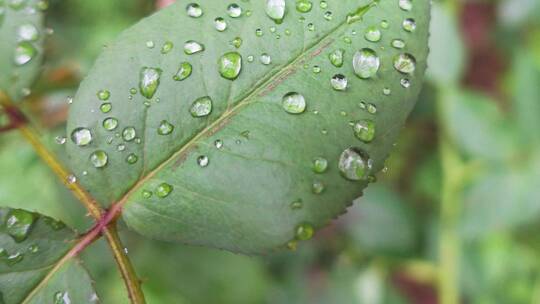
column 106, row 222
column 450, row 208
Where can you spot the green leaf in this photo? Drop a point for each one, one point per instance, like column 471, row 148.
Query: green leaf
column 34, row 265
column 22, row 34
column 212, row 161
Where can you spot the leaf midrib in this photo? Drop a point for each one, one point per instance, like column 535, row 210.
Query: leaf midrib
column 259, row 90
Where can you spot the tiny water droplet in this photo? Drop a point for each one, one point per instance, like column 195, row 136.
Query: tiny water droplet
column 129, row 134
column 24, row 53
column 183, row 72
column 147, row 194
column 275, row 9
column 311, row 27
column 409, row 25
column 150, row 44
column 110, row 124
column 405, row 63
column 201, row 107
column 364, row 130
column 405, row 5
column 62, row 298
column 81, row 137
column 163, row 190
column 373, row 34
column 220, row 24
column 387, row 91
column 192, row 47
column 320, row 165
column 203, row 161
column 103, row 95
column 167, row 47
column 194, row 10
column 294, row 103
column 406, row 83
column 323, row 4
column 366, row 63
column 121, row 147
column 237, row 42
column 132, row 159
column 304, row 6
column 304, row 232
column 33, row 248
column 336, row 57
column 19, row 224
column 71, row 179
column 258, row 32
column 165, row 128
column 371, row 108
column 265, row 59
column 384, row 24
column 99, row 159
column 318, row 187
column 234, row 10
column 149, row 79
column 316, row 69
column 60, row 140
column 218, row 144
column 105, row 107
column 27, row 32
column 328, row 16
column 355, row 164
column 339, row 82
column 297, row 204
column 398, row 43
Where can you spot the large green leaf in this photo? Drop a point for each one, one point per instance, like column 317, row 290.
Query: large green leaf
column 34, row 267
column 21, row 50
column 228, row 179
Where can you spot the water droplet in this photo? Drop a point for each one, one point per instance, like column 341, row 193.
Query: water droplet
column 328, row 16
column 99, row 159
column 71, row 179
column 320, row 165
column 237, row 42
column 165, row 128
column 149, row 81
column 103, row 95
column 311, row 27
column 147, row 194
column 132, row 159
column 364, row 130
column 203, row 161
column 192, row 47
column 60, row 140
column 336, row 57
column 409, row 25
column 163, row 190
column 12, row 259
column 275, row 9
column 110, row 123
column 303, row 6
column 371, row 108
column 129, row 134
column 405, row 5
column 234, row 10
column 323, row 4
column 318, row 187
column 387, row 91
column 360, row 12
column 133, row 91
column 194, row 10
column 19, row 224
column 150, row 44
column 201, row 107
column 62, row 298
column 366, row 63
column 406, row 83
column 398, row 43
column 355, row 164
column 373, row 34
column 27, row 32
column 218, row 144
column 297, row 204
column 220, row 24
column 339, row 82
column 24, row 53
column 405, row 63
column 33, row 248
column 265, row 59
column 105, row 108
column 304, row 232
column 258, row 32
column 120, row 147
column 167, row 47
column 316, row 69
column 347, row 40
column 183, row 72
column 81, row 137
column 294, row 103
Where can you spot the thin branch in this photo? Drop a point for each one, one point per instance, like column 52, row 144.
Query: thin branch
column 106, row 222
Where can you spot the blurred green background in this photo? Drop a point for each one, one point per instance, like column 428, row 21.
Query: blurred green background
column 454, row 217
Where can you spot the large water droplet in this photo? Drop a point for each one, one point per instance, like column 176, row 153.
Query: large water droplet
column 163, row 190
column 81, row 137
column 99, row 159
column 24, row 53
column 19, row 224
column 339, row 82
column 192, row 47
column 366, row 63
column 27, row 32
column 364, row 130
column 230, row 65
column 220, row 24
column 304, row 232
column 194, row 10
column 275, row 9
column 294, row 103
column 201, row 107
column 149, row 81
column 355, row 164
column 165, row 128
column 304, row 6
column 336, row 57
column 405, row 63
column 183, row 72
column 234, row 10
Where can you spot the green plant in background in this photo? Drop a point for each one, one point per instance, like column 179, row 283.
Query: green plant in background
column 238, row 126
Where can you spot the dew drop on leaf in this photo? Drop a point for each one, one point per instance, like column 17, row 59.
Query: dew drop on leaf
column 24, row 53
column 81, row 137
column 99, row 159
column 165, row 128
column 19, row 224
column 132, row 159
column 405, row 5
column 265, row 59
column 294, row 103
column 105, row 107
column 201, row 107
column 336, row 57
column 373, row 34
column 366, row 63
column 339, row 82
column 275, row 9
column 364, row 130
column 304, row 6
column 194, row 10
column 27, row 32
column 192, row 47
column 409, row 25
column 62, row 298
column 304, row 232
column 129, row 134
column 218, row 144
column 220, row 24
column 203, row 161
column 398, row 43
column 163, row 190
column 297, row 204
column 354, row 164
column 184, row 71
column 323, row 4
column 234, row 10
column 320, row 165
column 167, row 47
column 103, row 95
column 318, row 187
column 405, row 63
column 110, row 123
column 149, row 79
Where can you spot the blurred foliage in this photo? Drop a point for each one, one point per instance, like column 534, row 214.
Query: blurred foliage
column 483, row 89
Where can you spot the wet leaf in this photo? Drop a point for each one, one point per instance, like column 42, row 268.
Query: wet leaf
column 235, row 167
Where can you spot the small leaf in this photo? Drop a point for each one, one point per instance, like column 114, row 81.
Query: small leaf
column 33, row 263
column 247, row 128
column 21, row 48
